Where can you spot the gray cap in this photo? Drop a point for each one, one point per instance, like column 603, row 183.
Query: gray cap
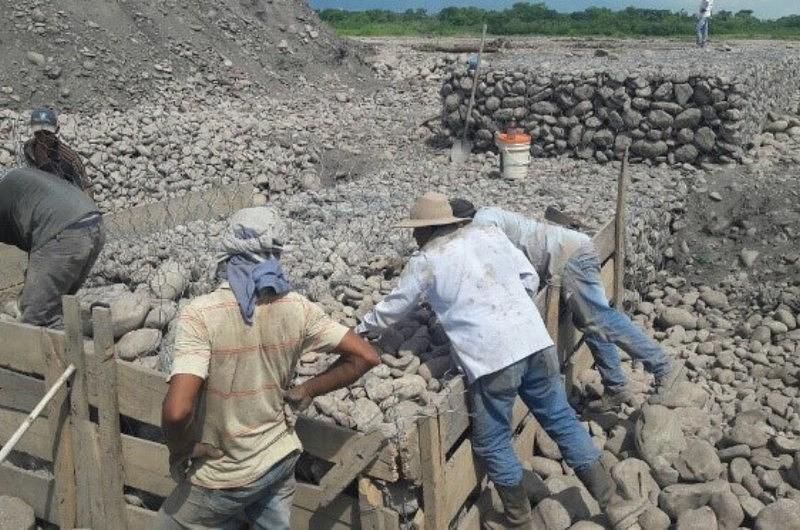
column 44, row 119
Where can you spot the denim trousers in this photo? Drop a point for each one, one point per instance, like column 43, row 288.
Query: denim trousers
column 603, row 326
column 265, row 503
column 702, row 30
column 537, row 380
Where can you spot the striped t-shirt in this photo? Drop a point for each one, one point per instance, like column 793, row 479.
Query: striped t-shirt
column 245, row 367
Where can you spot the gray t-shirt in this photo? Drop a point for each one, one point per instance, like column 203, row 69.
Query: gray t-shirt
column 36, row 206
column 548, row 247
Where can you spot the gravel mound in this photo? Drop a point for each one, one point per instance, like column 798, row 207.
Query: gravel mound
column 82, row 54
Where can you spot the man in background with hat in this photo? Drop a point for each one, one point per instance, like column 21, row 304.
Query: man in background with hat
column 479, row 286
column 60, row 228
column 232, row 445
column 571, row 258
column 46, row 151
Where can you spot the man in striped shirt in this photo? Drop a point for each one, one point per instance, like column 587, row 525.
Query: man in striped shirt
column 231, row 448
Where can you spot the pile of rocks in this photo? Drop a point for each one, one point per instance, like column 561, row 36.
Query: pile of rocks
column 677, row 115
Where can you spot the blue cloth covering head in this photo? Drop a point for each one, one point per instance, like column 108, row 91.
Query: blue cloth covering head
column 251, row 266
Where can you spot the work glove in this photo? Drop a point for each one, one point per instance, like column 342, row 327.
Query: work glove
column 295, row 401
column 180, row 462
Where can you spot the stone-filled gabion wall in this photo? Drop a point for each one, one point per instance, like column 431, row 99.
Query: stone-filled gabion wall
column 663, row 117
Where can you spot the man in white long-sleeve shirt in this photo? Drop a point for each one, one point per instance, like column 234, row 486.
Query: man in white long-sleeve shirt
column 479, row 286
column 703, row 18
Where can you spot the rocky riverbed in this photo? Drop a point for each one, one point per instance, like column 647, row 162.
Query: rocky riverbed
column 712, row 272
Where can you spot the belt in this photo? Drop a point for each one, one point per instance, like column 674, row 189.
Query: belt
column 84, row 222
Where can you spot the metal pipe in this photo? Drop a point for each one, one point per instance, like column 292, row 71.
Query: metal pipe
column 9, row 446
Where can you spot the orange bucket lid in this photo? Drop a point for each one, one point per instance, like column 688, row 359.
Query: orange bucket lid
column 515, row 138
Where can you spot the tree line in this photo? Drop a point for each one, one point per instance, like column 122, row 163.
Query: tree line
column 538, row 19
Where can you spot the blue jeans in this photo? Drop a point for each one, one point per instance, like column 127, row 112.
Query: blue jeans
column 702, row 30
column 266, row 503
column 604, row 326
column 537, row 380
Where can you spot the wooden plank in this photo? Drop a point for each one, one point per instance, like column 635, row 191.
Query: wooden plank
column 146, row 465
column 342, row 509
column 21, row 347
column 362, row 451
column 37, row 441
column 463, row 473
column 141, row 392
column 607, row 277
column 33, row 488
column 19, row 391
column 111, row 472
column 330, row 443
column 370, row 498
column 63, row 454
column 39, row 492
column 553, row 301
column 604, row 241
column 89, row 507
column 434, row 491
column 619, row 234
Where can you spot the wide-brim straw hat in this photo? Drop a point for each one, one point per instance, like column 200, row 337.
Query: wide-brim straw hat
column 432, row 209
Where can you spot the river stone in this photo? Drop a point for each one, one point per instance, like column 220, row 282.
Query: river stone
column 683, row 93
column 677, row 498
column 365, row 414
column 738, row 469
column 658, row 433
column 689, row 118
column 15, row 514
column 409, row 386
column 162, row 313
column 128, row 311
column 782, row 514
column 696, row 519
column 634, row 480
column 714, row 298
column 751, row 435
column 654, row 519
column 138, row 342
column 546, row 446
column 545, row 467
column 698, row 462
column 676, row 316
column 553, row 515
column 705, row 139
column 647, row 149
column 728, row 509
column 586, row 525
column 379, row 389
column 684, row 394
column 686, row 153
column 169, row 281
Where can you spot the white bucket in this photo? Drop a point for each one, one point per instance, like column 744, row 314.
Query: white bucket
column 514, row 159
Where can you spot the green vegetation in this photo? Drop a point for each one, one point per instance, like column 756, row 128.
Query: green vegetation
column 538, row 19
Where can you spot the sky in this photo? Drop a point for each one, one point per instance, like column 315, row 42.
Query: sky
column 761, row 8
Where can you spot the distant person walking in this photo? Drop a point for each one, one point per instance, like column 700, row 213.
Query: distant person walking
column 704, row 16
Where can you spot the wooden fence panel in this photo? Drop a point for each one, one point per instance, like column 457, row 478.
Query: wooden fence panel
column 19, row 391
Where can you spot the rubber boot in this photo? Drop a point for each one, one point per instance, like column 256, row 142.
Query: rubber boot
column 621, row 513
column 517, row 513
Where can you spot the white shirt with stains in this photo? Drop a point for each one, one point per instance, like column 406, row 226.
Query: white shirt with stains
column 478, row 285
column 706, row 6
column 547, row 247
